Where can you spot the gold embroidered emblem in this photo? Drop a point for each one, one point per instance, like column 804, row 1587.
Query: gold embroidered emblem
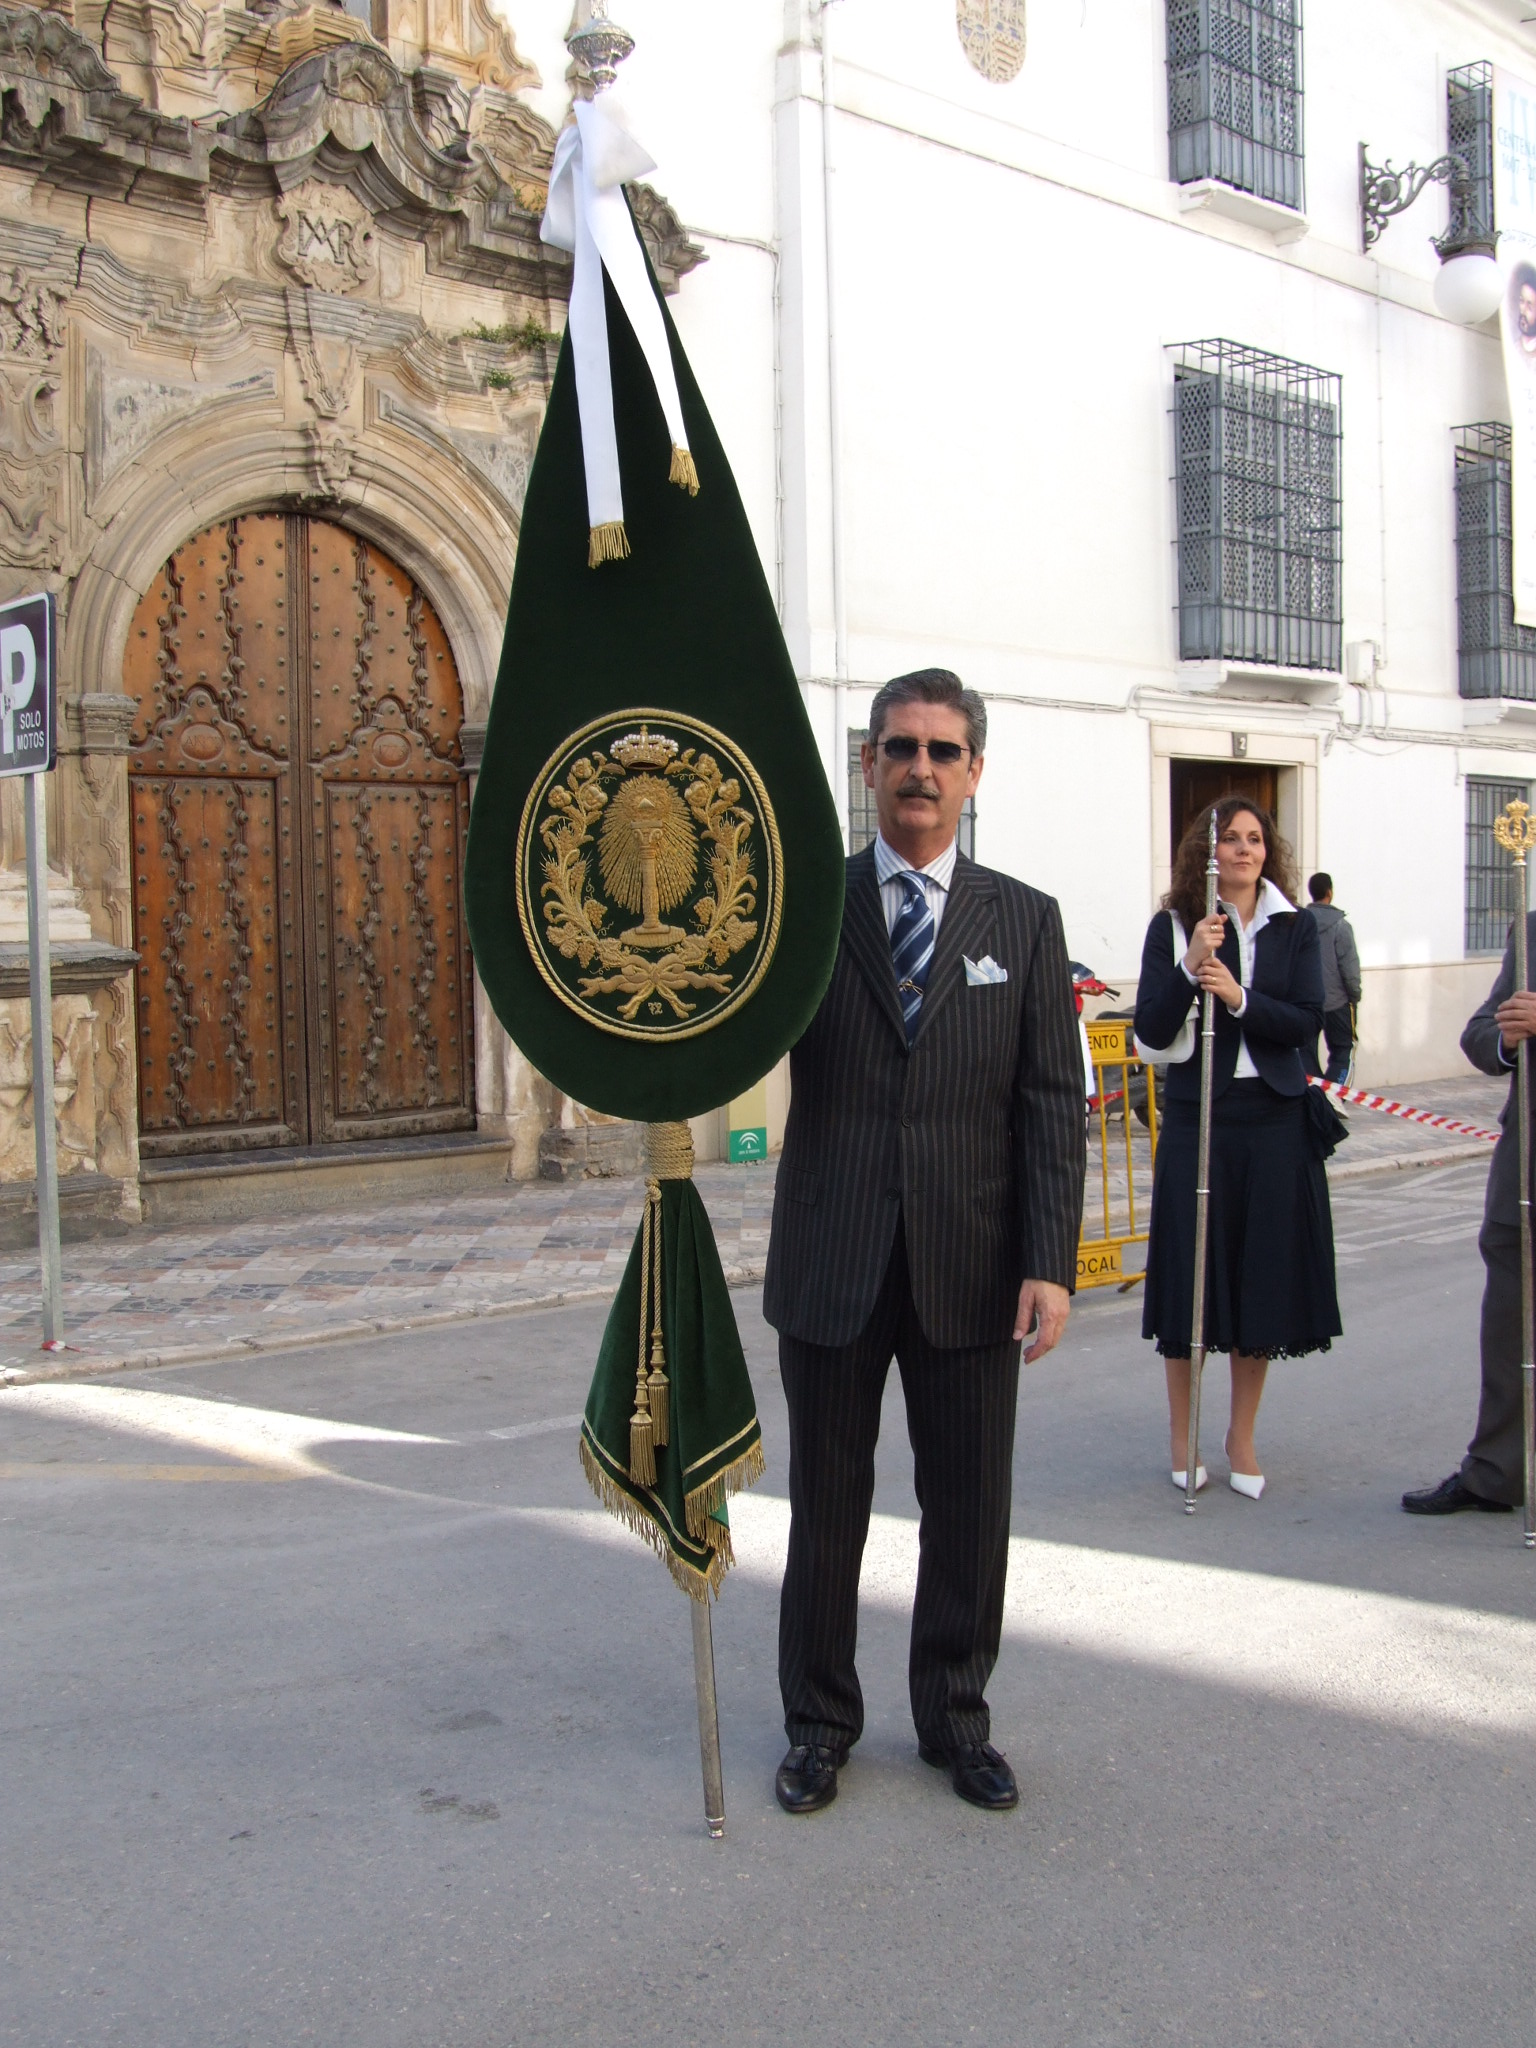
column 649, row 875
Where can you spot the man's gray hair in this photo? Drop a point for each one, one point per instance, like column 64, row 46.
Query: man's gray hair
column 931, row 686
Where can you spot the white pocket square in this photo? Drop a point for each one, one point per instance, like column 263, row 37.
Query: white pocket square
column 983, row 973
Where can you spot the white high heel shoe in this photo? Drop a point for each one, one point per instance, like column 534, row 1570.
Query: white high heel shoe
column 1249, row 1484
column 1180, row 1479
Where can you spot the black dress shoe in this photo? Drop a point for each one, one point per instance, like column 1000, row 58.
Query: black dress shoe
column 977, row 1771
column 807, row 1778
column 1450, row 1497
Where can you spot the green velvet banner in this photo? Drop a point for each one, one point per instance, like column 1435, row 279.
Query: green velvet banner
column 651, row 695
column 654, row 887
column 714, row 1444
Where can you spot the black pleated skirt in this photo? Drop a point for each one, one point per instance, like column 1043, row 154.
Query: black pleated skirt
column 1270, row 1285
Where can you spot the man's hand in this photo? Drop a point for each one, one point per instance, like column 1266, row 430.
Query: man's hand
column 1516, row 1019
column 1044, row 1307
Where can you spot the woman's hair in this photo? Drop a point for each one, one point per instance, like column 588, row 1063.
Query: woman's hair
column 1186, row 893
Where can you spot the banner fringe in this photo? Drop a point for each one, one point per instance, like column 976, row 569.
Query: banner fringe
column 698, row 1585
column 609, row 543
column 733, row 1478
column 684, row 471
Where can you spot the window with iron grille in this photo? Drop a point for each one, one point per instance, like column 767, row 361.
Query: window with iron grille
column 1234, row 95
column 1469, row 135
column 1491, row 891
column 1260, row 519
column 1494, row 656
column 862, row 820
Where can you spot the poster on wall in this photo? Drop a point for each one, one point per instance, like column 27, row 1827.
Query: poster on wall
column 1514, row 211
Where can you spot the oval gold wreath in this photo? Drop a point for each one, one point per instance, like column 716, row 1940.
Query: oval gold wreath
column 725, row 917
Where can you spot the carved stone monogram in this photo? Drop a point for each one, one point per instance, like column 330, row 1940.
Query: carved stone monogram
column 327, row 241
column 992, row 37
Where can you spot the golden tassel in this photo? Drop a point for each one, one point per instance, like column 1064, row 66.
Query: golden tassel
column 684, row 471
column 657, row 1385
column 642, row 1430
column 609, row 543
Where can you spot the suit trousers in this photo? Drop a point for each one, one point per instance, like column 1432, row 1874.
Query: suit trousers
column 1495, row 1462
column 960, row 1421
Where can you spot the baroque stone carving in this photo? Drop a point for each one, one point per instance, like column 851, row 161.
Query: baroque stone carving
column 127, row 409
column 992, row 37
column 327, row 239
column 503, row 459
column 32, row 452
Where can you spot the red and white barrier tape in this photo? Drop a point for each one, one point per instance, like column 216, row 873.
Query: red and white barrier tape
column 1427, row 1117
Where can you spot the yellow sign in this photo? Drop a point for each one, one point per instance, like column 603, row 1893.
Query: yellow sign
column 1124, row 1093
column 1098, row 1263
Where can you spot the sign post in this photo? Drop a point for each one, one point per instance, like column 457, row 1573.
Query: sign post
column 28, row 700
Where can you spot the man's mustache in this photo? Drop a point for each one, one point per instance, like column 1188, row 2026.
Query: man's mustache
column 918, row 789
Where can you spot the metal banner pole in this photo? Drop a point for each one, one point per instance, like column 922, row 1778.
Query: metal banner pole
column 1516, row 833
column 1202, row 1203
column 709, row 1718
column 45, row 1128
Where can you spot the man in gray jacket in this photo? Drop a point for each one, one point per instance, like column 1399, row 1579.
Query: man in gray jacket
column 1341, row 980
column 1492, row 1474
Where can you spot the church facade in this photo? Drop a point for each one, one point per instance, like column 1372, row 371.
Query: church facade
column 276, row 332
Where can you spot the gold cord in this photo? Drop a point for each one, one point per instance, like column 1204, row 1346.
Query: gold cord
column 642, row 1428
column 684, row 471
column 657, row 1386
column 668, row 1151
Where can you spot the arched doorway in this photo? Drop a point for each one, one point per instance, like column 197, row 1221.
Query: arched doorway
column 299, row 805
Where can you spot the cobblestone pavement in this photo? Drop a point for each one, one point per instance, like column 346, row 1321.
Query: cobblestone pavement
column 168, row 1295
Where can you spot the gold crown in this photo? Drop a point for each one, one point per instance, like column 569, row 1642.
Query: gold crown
column 644, row 749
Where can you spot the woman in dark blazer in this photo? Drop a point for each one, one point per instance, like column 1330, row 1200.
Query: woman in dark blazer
column 1270, row 1285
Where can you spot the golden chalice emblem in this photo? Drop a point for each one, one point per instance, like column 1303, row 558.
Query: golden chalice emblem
column 648, row 853
column 673, row 827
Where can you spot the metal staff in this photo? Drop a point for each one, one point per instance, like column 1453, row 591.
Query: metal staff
column 709, row 1718
column 1203, row 1199
column 1516, row 833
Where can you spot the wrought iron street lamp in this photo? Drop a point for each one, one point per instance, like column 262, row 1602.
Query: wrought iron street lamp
column 1468, row 286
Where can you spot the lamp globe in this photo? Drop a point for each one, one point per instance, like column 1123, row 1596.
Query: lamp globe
column 1469, row 287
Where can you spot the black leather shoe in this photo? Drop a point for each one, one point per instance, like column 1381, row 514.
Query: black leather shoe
column 1450, row 1497
column 977, row 1771
column 807, row 1778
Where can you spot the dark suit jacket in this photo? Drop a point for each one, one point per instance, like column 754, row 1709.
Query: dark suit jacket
column 973, row 1137
column 1480, row 1042
column 1285, row 1004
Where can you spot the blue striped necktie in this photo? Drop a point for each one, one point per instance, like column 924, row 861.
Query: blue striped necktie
column 912, row 938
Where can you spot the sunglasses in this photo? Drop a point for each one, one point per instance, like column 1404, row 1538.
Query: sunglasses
column 942, row 753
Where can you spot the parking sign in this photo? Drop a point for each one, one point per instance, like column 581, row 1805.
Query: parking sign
column 28, row 685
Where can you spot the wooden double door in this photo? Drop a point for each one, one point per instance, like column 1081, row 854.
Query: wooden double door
column 299, row 807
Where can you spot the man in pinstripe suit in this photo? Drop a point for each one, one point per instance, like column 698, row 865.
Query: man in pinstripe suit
column 928, row 1205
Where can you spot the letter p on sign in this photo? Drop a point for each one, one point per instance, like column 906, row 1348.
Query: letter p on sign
column 18, row 679
column 27, row 685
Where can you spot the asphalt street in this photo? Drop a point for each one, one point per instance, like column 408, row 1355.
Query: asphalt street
column 333, row 1710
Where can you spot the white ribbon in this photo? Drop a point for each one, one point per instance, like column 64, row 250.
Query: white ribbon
column 587, row 215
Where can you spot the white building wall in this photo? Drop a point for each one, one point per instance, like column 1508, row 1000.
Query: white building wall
column 1011, row 265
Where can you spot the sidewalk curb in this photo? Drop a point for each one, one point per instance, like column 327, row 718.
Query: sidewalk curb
column 87, row 1365
column 1399, row 1162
